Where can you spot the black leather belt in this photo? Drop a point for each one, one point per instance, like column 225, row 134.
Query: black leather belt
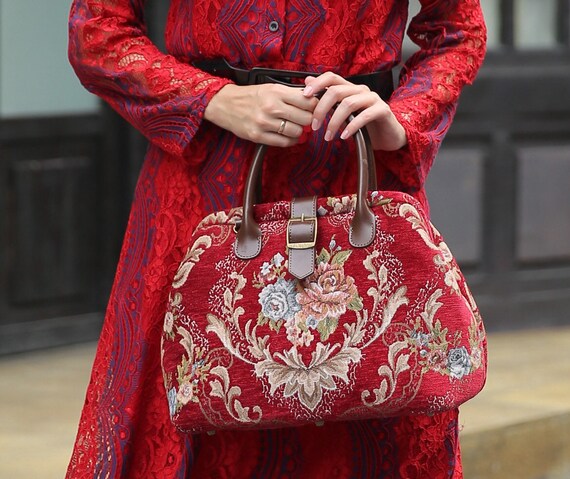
column 382, row 82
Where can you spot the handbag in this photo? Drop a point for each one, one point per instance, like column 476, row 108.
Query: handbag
column 319, row 309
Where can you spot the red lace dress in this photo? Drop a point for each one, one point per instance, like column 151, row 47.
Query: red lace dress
column 193, row 168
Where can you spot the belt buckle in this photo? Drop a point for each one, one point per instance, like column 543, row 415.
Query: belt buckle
column 258, row 75
column 304, row 244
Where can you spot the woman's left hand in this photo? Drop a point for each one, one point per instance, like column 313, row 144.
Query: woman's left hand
column 369, row 109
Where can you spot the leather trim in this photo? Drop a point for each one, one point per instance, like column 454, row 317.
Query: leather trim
column 302, row 261
column 362, row 228
column 248, row 240
column 363, row 224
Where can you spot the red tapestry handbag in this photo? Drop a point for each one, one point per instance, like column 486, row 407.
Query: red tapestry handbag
column 312, row 310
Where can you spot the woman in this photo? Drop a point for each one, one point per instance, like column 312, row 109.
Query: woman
column 199, row 125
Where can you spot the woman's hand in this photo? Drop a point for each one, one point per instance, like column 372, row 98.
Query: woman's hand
column 270, row 114
column 369, row 109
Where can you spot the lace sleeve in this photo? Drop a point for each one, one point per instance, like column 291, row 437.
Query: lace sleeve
column 163, row 98
column 451, row 35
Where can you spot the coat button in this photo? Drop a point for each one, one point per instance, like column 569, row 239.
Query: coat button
column 273, row 26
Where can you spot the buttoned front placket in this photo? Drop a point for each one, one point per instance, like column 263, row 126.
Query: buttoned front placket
column 274, row 29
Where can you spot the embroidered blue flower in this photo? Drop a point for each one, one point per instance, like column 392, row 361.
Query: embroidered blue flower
column 278, row 259
column 278, row 301
column 172, row 401
column 312, row 322
column 459, row 362
column 420, row 339
column 266, row 268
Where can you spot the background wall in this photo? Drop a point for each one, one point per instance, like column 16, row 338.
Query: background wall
column 53, row 172
column 35, row 76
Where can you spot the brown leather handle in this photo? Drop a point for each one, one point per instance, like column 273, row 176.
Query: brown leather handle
column 362, row 226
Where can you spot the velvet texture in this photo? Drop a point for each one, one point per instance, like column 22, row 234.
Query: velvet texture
column 384, row 330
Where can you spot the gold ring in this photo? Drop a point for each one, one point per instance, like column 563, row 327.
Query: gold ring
column 282, row 127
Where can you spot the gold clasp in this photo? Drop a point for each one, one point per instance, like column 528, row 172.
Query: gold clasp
column 306, row 244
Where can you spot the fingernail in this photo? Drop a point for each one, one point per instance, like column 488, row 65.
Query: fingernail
column 315, row 125
column 344, row 134
column 308, row 91
column 328, row 135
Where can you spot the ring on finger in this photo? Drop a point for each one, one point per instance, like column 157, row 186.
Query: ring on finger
column 282, row 127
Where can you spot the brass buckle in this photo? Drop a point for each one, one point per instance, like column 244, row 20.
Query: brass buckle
column 306, row 244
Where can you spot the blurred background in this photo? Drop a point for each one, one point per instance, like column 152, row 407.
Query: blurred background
column 499, row 192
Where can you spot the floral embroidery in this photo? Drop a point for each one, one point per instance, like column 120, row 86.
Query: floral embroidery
column 327, row 293
column 459, row 362
column 319, row 302
column 344, row 204
column 305, row 340
column 315, row 303
column 171, row 315
column 432, row 343
column 189, row 375
column 336, row 205
column 194, row 367
column 278, row 300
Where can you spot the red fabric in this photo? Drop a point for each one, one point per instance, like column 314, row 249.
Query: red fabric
column 386, row 330
column 192, row 168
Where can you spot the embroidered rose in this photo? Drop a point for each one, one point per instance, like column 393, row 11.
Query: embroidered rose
column 458, row 362
column 172, row 401
column 278, row 300
column 436, row 360
column 185, row 393
column 326, row 294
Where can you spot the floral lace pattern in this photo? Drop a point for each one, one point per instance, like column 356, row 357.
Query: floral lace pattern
column 125, row 429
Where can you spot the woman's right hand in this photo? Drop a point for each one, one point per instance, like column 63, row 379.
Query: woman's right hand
column 270, row 114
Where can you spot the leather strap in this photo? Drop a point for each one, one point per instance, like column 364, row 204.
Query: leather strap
column 382, row 82
column 301, row 236
column 362, row 226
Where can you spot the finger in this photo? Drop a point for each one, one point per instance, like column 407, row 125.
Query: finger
column 333, row 96
column 295, row 115
column 350, row 105
column 271, row 138
column 313, row 85
column 279, row 102
column 365, row 117
column 290, row 95
column 296, row 98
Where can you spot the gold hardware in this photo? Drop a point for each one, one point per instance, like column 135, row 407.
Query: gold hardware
column 306, row 244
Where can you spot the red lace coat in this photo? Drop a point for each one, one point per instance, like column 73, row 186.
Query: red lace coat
column 193, row 168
